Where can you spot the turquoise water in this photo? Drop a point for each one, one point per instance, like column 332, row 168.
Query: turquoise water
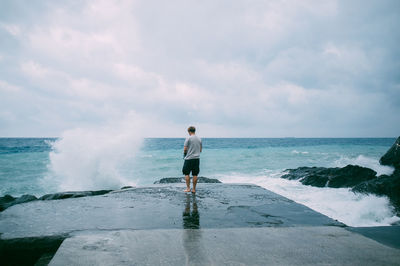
column 160, row 157
column 88, row 162
column 24, row 162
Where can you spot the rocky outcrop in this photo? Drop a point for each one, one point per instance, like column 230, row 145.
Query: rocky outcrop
column 392, row 156
column 383, row 185
column 348, row 176
column 126, row 187
column 359, row 179
column 200, row 179
column 8, row 201
column 73, row 194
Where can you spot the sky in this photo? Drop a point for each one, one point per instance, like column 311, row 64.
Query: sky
column 277, row 68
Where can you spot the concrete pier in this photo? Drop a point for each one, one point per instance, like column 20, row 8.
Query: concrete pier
column 222, row 224
column 320, row 245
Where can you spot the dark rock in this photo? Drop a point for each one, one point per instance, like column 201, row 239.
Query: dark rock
column 200, row 179
column 8, row 201
column 314, row 175
column 348, row 176
column 383, row 186
column 24, row 198
column 73, row 194
column 392, row 156
column 126, row 187
column 168, row 180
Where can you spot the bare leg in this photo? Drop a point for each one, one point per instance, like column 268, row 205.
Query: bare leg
column 187, row 179
column 194, row 183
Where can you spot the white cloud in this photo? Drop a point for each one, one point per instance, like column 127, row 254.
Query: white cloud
column 34, row 70
column 349, row 59
column 232, row 67
column 64, row 43
column 279, row 18
column 12, row 29
column 331, row 49
column 6, row 87
column 7, row 116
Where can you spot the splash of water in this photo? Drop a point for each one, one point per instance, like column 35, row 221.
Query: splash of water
column 94, row 158
column 364, row 161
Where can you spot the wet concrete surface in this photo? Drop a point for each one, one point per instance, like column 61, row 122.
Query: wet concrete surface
column 222, row 224
column 160, row 207
column 233, row 246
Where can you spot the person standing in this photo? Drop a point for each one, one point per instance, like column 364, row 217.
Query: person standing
column 191, row 153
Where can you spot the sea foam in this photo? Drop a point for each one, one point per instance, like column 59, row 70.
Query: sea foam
column 342, row 204
column 364, row 161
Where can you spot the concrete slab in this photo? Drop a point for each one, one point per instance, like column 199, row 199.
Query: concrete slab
column 223, row 224
column 159, row 207
column 317, row 245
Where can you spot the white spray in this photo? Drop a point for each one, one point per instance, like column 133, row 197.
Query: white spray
column 94, row 158
column 342, row 204
column 365, row 162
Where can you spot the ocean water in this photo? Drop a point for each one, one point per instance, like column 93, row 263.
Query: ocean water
column 89, row 161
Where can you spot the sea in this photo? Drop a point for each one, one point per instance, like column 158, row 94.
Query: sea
column 76, row 162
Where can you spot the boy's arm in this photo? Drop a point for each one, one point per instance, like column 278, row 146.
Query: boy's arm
column 185, row 147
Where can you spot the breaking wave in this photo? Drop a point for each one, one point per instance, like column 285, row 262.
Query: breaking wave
column 94, row 157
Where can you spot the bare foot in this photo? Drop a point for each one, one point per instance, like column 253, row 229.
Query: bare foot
column 187, row 190
column 193, row 191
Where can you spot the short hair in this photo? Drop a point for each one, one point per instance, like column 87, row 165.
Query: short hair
column 192, row 129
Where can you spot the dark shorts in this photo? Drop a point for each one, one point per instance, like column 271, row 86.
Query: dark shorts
column 192, row 165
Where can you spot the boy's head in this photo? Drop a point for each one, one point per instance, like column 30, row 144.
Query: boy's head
column 192, row 129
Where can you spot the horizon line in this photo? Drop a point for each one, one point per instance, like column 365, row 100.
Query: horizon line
column 46, row 137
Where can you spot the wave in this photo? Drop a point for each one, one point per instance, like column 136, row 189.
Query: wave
column 300, row 152
column 364, row 161
column 94, row 158
column 341, row 204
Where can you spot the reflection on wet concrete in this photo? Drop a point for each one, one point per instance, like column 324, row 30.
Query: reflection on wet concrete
column 192, row 242
column 191, row 216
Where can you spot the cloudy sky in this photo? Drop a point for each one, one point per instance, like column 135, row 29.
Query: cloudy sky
column 277, row 68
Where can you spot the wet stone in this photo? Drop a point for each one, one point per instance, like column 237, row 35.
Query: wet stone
column 160, row 207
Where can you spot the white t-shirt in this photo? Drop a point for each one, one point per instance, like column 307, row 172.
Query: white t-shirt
column 194, row 147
